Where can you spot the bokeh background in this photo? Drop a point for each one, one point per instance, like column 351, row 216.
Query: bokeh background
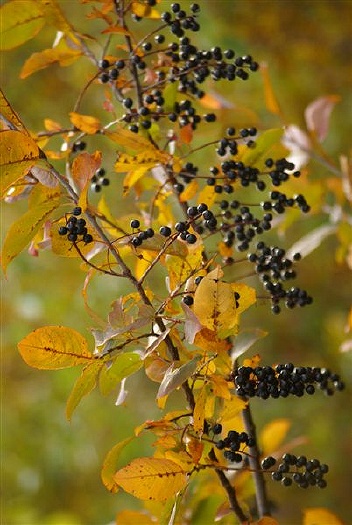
column 51, row 468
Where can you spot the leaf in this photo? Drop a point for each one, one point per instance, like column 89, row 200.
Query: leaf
column 20, row 21
column 144, row 11
column 152, row 478
column 215, row 304
column 83, row 386
column 268, row 144
column 180, row 268
column 9, row 114
column 110, row 464
column 175, row 377
column 61, row 54
column 128, row 139
column 123, row 366
column 273, row 434
column 209, row 341
column 18, row 154
column 83, row 169
column 24, row 229
column 186, row 134
column 317, row 115
column 132, row 517
column 85, row 123
column 271, row 102
column 199, row 410
column 245, row 340
column 43, row 172
column 54, row 347
column 267, row 520
column 247, row 296
column 320, row 516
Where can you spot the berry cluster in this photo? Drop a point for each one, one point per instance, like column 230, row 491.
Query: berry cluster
column 183, row 63
column 99, row 180
column 297, row 469
column 141, row 235
column 76, row 228
column 233, row 443
column 283, row 380
column 274, row 267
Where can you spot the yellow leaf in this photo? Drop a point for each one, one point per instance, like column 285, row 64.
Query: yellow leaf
column 132, row 517
column 61, row 54
column 232, row 407
column 247, row 296
column 199, row 410
column 190, row 191
column 20, row 21
column 83, row 386
column 55, row 17
column 220, row 386
column 215, row 304
column 144, row 11
column 110, row 465
column 208, row 340
column 54, row 347
column 179, row 268
column 134, row 176
column 152, row 478
column 320, row 516
column 9, row 114
column 207, row 195
column 273, row 434
column 24, row 230
column 18, row 154
column 123, row 366
column 128, row 139
column 65, row 248
column 85, row 123
column 51, row 125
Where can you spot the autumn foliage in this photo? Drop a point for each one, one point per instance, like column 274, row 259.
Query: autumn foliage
column 184, row 257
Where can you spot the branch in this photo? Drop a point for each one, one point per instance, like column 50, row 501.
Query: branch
column 263, row 505
column 230, row 490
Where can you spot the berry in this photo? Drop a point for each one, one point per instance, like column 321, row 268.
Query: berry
column 217, row 428
column 135, row 223
column 188, row 300
column 63, row 230
column 165, row 231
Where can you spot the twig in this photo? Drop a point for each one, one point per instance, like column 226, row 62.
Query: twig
column 263, row 505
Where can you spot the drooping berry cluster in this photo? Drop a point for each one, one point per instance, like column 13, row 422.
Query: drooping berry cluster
column 75, row 228
column 284, row 380
column 233, row 444
column 274, row 267
column 297, row 469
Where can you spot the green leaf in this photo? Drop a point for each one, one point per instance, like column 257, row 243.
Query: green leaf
column 83, row 386
column 110, row 465
column 123, row 366
column 55, row 347
column 24, row 229
column 20, row 21
column 268, row 144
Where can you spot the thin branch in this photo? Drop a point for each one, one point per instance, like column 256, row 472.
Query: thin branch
column 230, row 491
column 263, row 505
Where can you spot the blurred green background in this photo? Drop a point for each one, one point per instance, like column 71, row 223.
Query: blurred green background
column 51, row 468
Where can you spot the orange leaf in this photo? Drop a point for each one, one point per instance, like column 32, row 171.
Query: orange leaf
column 85, row 123
column 83, row 168
column 186, row 134
column 54, row 347
column 62, row 55
column 151, row 478
column 131, row 517
column 271, row 101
